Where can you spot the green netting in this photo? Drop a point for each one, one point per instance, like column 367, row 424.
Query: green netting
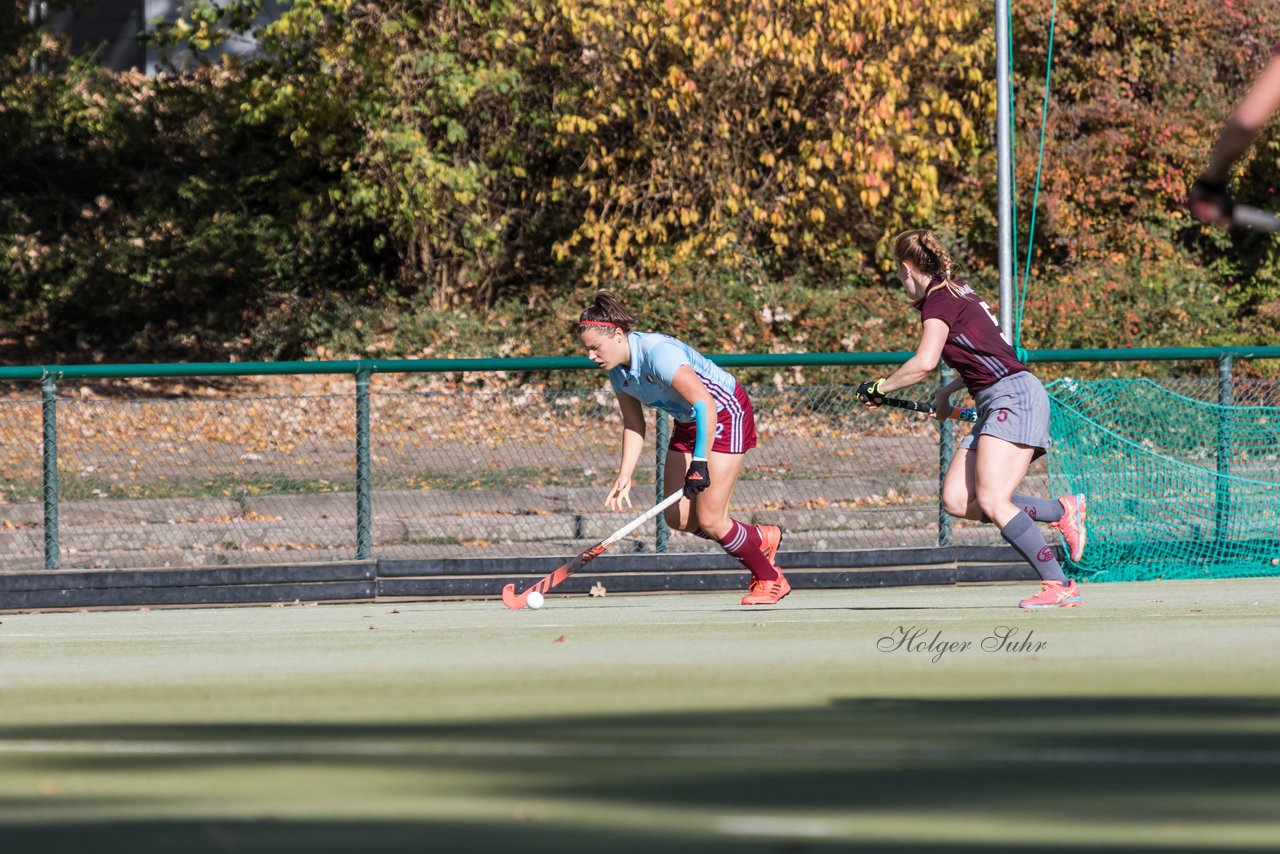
column 1178, row 487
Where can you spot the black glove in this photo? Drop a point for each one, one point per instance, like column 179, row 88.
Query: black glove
column 869, row 392
column 1210, row 201
column 697, row 478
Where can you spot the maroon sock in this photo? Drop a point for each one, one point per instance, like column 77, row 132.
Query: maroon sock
column 743, row 542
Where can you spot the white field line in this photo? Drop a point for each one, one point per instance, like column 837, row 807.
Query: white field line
column 519, row 749
column 748, row 825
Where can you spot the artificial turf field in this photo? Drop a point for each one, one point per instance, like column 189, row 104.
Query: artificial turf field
column 1149, row 719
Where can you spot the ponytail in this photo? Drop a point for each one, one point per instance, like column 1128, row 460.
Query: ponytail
column 604, row 312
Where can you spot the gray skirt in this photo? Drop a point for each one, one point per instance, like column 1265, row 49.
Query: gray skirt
column 1015, row 409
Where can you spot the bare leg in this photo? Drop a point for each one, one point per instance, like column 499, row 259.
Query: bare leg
column 1000, row 466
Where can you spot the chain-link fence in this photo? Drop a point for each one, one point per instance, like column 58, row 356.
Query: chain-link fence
column 186, row 482
column 181, row 482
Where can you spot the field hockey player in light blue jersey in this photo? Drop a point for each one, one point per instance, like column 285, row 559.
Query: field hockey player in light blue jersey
column 713, row 429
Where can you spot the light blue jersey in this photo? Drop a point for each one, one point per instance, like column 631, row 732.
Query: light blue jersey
column 655, row 358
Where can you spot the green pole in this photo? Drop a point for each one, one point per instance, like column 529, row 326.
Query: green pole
column 662, row 538
column 364, row 502
column 946, row 450
column 49, row 457
column 1222, row 503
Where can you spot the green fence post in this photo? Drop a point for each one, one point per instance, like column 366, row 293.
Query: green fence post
column 1222, row 503
column 364, row 503
column 946, row 450
column 662, row 537
column 49, row 458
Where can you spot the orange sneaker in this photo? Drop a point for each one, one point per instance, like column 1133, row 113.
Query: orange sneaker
column 770, row 539
column 763, row 592
column 1054, row 594
column 1071, row 525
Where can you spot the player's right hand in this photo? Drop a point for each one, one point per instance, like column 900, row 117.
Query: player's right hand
column 1210, row 202
column 620, row 495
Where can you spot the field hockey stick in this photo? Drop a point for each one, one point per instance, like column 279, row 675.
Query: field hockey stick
column 956, row 412
column 1255, row 218
column 516, row 601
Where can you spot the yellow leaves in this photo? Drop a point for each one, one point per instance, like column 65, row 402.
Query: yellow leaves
column 624, row 240
column 572, row 124
column 769, row 123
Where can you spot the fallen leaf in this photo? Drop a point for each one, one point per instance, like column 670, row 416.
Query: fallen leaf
column 561, row 639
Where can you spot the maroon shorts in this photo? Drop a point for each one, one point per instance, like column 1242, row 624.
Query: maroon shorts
column 735, row 427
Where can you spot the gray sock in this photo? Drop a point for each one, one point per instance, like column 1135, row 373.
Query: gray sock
column 1040, row 509
column 1025, row 537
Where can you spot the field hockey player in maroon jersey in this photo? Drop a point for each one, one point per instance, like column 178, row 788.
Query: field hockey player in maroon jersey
column 1013, row 416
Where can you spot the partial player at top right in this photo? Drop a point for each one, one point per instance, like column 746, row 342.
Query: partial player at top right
column 1209, row 199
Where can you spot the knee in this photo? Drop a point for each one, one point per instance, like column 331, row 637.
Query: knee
column 677, row 518
column 716, row 524
column 991, row 504
column 955, row 502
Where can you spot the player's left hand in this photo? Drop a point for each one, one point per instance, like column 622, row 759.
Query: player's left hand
column 869, row 392
column 942, row 406
column 1210, row 202
column 697, row 478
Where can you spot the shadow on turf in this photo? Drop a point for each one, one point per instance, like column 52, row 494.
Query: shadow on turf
column 333, row 837
column 1156, row 762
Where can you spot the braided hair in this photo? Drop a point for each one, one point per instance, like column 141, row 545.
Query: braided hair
column 921, row 247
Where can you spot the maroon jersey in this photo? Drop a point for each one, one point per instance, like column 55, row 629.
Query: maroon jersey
column 975, row 348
